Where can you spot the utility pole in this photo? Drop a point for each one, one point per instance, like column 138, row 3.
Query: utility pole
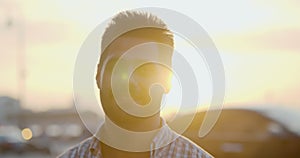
column 18, row 23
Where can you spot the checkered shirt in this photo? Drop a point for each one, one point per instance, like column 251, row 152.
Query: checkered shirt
column 180, row 147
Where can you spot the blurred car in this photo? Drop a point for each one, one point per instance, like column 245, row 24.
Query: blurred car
column 248, row 132
column 11, row 144
column 11, row 141
column 37, row 147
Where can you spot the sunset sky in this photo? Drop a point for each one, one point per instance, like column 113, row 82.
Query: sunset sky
column 259, row 43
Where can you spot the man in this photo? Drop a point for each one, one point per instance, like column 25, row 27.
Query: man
column 133, row 75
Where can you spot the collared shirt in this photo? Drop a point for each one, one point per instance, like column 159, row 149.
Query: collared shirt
column 179, row 147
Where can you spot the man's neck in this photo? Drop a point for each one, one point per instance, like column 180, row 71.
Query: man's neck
column 139, row 124
column 115, row 130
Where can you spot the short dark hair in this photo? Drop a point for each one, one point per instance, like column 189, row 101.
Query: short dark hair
column 128, row 21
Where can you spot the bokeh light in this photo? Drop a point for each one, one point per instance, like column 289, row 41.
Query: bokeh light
column 27, row 133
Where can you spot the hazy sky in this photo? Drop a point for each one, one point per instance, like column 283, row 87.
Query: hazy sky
column 258, row 42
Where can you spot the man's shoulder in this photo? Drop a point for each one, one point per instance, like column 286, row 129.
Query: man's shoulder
column 80, row 150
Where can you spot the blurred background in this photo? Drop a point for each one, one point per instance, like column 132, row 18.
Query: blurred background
column 259, row 43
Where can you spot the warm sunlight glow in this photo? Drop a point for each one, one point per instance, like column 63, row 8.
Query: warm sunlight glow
column 258, row 43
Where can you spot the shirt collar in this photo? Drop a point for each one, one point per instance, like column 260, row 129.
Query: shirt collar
column 109, row 133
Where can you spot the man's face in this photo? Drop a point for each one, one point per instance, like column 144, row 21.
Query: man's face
column 139, row 79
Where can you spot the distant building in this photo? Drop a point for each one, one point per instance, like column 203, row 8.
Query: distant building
column 53, row 123
column 58, row 123
column 9, row 107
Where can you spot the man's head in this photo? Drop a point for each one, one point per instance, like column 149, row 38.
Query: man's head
column 131, row 37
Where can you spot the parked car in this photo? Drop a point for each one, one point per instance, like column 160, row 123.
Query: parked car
column 248, row 132
column 11, row 144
